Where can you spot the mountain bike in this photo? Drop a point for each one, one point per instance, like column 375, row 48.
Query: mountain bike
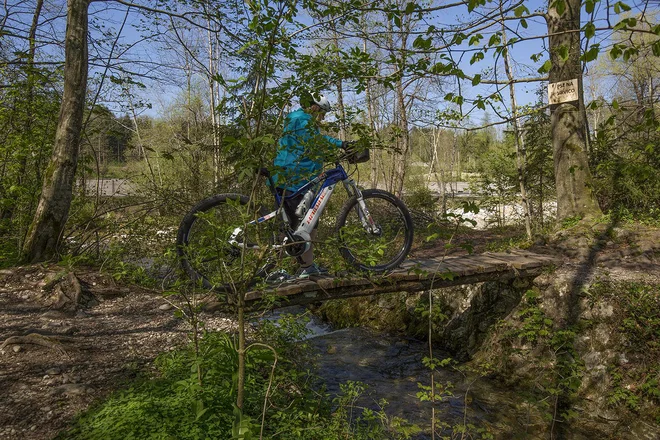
column 223, row 235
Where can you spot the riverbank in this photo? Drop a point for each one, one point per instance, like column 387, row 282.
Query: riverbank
column 579, row 344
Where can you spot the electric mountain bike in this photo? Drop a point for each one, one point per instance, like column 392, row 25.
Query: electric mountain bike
column 220, row 238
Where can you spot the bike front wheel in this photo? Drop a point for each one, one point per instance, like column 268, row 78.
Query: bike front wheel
column 204, row 245
column 381, row 243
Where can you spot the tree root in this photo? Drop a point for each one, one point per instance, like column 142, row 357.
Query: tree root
column 68, row 294
column 37, row 339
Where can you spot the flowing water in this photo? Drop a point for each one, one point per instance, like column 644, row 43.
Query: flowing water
column 392, row 367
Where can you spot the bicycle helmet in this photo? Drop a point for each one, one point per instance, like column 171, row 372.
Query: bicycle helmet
column 322, row 102
column 308, row 99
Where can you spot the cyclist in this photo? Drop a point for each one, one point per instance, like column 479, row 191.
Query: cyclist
column 301, row 153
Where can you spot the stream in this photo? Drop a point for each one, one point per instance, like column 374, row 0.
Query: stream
column 391, row 367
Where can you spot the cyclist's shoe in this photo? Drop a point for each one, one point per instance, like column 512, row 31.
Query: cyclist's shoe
column 313, row 270
column 279, row 276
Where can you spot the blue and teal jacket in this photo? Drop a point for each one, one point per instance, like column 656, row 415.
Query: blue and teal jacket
column 301, row 151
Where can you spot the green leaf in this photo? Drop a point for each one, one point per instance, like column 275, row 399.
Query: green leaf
column 562, row 51
column 523, row 23
column 655, row 47
column 591, row 54
column 494, row 40
column 589, row 6
column 520, row 10
column 625, row 24
column 475, row 39
column 478, row 56
column 621, row 6
column 589, row 29
column 199, row 409
column 459, row 37
column 422, row 43
column 545, row 68
column 476, row 79
column 410, row 8
column 560, row 6
column 629, row 53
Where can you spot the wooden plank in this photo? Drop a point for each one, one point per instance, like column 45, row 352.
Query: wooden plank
column 422, row 269
column 544, row 258
column 487, row 263
column 417, row 274
column 514, row 260
column 407, row 286
column 453, row 265
column 474, row 264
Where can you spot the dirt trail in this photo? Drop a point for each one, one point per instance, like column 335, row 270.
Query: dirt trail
column 56, row 362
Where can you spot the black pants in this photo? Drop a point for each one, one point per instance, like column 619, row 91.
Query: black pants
column 290, row 205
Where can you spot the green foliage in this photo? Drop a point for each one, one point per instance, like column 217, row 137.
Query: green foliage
column 559, row 370
column 624, row 159
column 29, row 107
column 436, row 315
column 497, row 183
column 127, row 239
column 570, row 222
column 179, row 403
column 539, row 169
column 627, row 176
column 535, row 326
column 635, row 383
column 421, row 199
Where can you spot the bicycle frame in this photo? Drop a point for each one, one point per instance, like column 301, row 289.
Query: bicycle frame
column 328, row 180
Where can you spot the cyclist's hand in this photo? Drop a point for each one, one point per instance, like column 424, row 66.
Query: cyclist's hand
column 347, row 146
column 354, row 153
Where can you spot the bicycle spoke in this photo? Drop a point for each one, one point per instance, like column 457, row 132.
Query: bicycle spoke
column 376, row 251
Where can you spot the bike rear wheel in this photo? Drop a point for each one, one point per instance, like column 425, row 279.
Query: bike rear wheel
column 203, row 246
column 383, row 249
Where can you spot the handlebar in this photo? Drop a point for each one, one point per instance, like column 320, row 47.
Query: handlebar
column 354, row 155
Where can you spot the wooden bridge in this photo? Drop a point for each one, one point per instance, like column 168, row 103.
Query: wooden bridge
column 412, row 276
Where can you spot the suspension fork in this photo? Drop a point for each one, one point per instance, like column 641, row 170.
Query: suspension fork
column 361, row 208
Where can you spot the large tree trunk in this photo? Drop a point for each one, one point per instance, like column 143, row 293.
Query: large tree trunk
column 53, row 208
column 573, row 178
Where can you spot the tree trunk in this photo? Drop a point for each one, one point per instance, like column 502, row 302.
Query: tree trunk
column 521, row 159
column 573, row 178
column 403, row 141
column 213, row 110
column 55, row 201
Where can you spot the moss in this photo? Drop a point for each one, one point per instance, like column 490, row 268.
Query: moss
column 384, row 312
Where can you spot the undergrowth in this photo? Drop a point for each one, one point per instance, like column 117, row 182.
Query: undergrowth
column 635, row 382
column 282, row 400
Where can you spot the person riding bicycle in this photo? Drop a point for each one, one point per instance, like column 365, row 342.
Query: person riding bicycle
column 300, row 157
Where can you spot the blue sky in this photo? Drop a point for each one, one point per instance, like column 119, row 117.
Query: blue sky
column 161, row 93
